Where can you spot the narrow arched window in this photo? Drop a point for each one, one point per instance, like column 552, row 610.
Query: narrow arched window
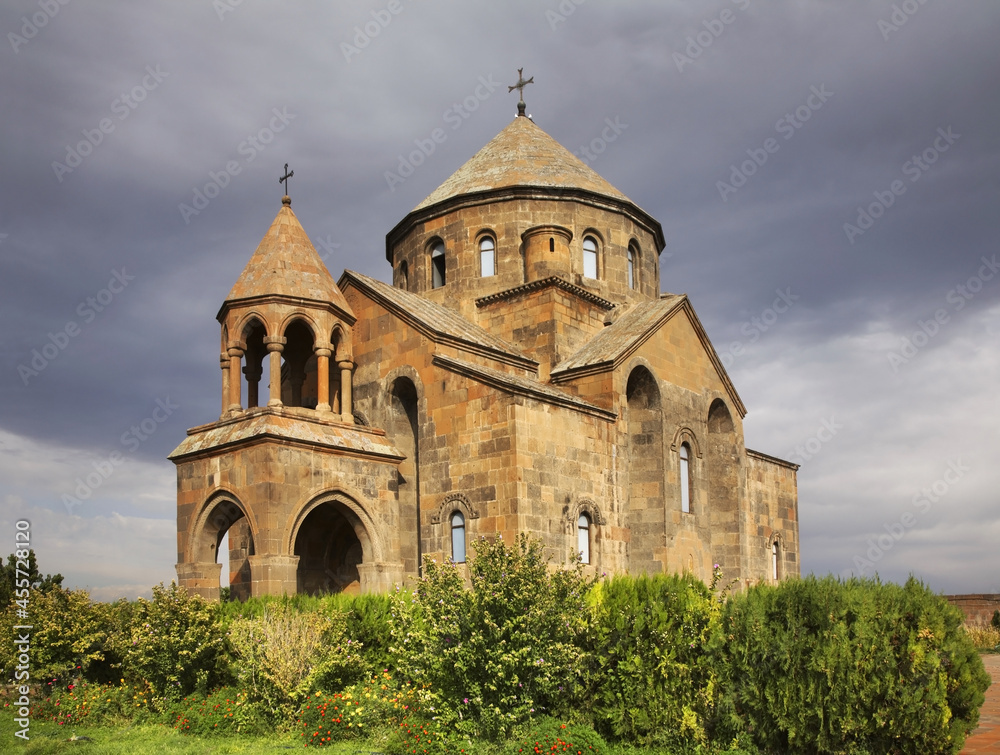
column 775, row 558
column 685, row 478
column 458, row 537
column 487, row 257
column 589, row 257
column 633, row 265
column 404, row 275
column 437, row 265
column 583, row 538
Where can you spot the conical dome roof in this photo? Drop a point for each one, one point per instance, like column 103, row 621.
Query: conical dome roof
column 286, row 263
column 522, row 155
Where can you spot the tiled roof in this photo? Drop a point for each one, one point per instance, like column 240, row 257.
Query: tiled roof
column 619, row 337
column 282, row 423
column 521, row 385
column 522, row 155
column 438, row 319
column 286, row 263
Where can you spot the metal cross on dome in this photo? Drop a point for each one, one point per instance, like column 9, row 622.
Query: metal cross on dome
column 519, row 86
column 284, row 178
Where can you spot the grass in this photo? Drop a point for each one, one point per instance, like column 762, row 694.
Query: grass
column 137, row 740
column 49, row 738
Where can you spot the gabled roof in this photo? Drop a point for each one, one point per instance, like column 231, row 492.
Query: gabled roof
column 438, row 322
column 522, row 386
column 522, row 155
column 617, row 342
column 287, row 264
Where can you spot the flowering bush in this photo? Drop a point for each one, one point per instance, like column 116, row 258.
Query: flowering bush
column 506, row 649
column 361, row 710
column 92, row 704
column 69, row 637
column 551, row 735
column 226, row 711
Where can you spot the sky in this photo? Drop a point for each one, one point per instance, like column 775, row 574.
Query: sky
column 826, row 174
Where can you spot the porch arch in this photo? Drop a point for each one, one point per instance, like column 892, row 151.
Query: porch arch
column 335, row 542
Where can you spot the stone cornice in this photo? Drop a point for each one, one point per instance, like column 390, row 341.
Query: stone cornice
column 551, row 281
column 295, row 301
column 773, row 459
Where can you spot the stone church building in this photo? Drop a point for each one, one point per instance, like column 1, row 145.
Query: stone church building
column 522, row 373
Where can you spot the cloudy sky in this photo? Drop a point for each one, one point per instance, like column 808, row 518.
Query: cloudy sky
column 840, row 155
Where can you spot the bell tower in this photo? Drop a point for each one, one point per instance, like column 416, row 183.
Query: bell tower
column 286, row 308
column 287, row 470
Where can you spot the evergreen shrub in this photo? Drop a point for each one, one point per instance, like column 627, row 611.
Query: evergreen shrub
column 822, row 666
column 653, row 676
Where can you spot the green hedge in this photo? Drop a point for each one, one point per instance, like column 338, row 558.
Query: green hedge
column 823, row 666
column 652, row 676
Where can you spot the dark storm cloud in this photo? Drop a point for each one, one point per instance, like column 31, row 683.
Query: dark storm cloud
column 192, row 90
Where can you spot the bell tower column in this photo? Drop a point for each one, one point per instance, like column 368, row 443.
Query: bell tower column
column 235, row 387
column 224, row 365
column 275, row 345
column 346, row 404
column 323, row 379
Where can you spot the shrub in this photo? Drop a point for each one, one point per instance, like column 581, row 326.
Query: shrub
column 92, row 704
column 68, row 638
column 176, row 643
column 654, row 678
column 368, row 620
column 823, row 666
column 226, row 711
column 284, row 653
column 552, row 735
column 377, row 705
column 507, row 648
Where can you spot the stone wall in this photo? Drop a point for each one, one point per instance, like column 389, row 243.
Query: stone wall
column 773, row 515
column 978, row 608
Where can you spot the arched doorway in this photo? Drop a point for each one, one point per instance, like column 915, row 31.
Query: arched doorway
column 329, row 551
column 224, row 537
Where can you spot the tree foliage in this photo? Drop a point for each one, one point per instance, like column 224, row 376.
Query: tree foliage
column 36, row 582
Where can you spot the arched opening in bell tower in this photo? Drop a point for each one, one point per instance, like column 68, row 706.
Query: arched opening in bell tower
column 298, row 367
column 254, row 362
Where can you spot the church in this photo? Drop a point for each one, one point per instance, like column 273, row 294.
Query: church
column 523, row 373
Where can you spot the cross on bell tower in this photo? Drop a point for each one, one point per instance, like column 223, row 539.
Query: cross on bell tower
column 519, row 86
column 284, row 180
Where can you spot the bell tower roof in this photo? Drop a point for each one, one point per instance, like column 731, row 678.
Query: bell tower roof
column 287, row 264
column 522, row 155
